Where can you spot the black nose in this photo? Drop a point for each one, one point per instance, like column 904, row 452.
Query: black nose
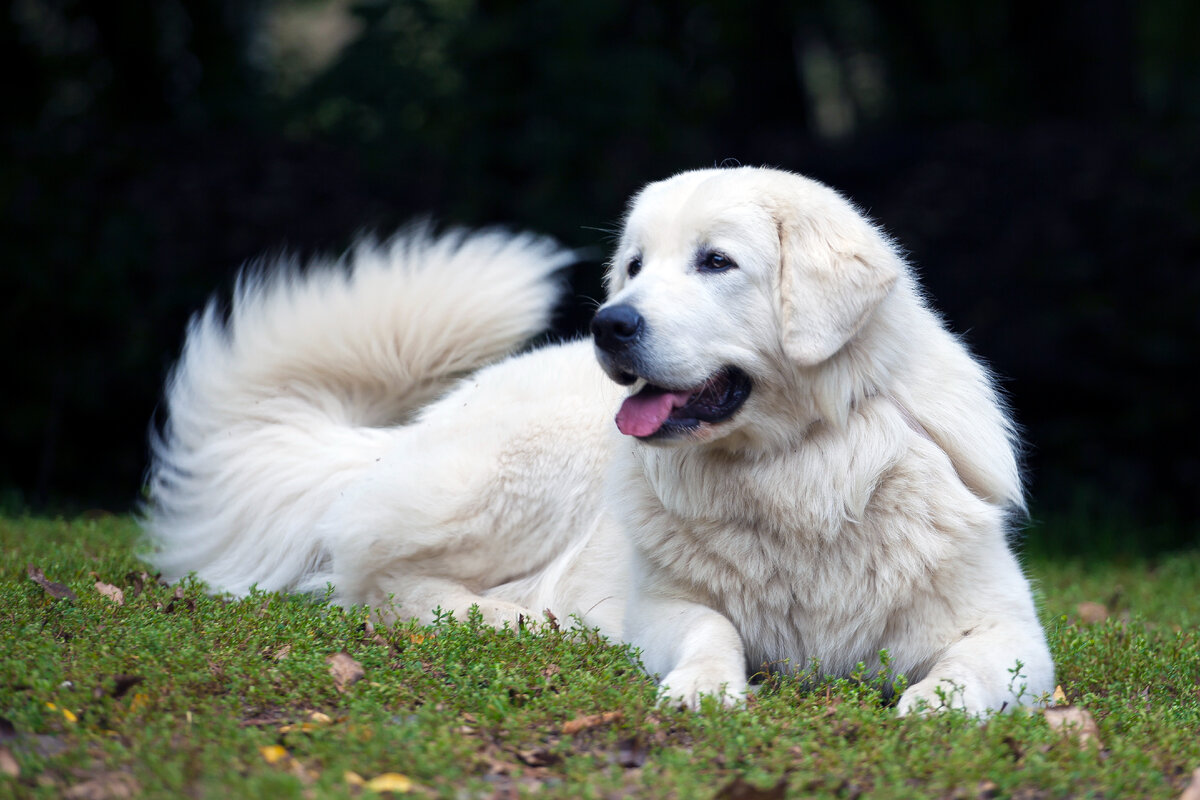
column 615, row 328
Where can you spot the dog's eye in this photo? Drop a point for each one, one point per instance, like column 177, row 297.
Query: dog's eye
column 634, row 266
column 713, row 261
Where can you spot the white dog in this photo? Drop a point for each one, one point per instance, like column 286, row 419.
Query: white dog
column 808, row 468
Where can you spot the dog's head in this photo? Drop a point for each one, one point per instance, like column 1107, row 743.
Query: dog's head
column 727, row 284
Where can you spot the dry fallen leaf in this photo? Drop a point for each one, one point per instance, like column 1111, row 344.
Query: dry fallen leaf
column 56, row 590
column 121, row 685
column 106, row 786
column 315, row 720
column 1192, row 790
column 353, row 778
column 138, row 581
column 178, row 598
column 1074, row 721
column 8, row 764
column 1060, row 697
column 1091, row 613
column 590, row 721
column 739, row 789
column 390, row 782
column 631, row 753
column 111, row 592
column 345, row 670
column 373, row 635
column 537, row 757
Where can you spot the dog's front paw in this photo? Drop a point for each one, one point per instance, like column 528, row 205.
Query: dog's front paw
column 500, row 613
column 687, row 685
column 944, row 692
column 977, row 692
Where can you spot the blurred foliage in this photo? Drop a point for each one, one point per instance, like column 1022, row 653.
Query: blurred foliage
column 1038, row 162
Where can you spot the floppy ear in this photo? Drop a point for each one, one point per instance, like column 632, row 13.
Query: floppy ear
column 830, row 284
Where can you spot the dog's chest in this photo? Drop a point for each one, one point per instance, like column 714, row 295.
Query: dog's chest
column 801, row 567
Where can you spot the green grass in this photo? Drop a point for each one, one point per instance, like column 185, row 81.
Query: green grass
column 176, row 693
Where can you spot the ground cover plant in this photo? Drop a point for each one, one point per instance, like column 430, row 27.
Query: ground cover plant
column 113, row 684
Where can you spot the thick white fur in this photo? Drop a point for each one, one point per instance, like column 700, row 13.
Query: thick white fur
column 857, row 502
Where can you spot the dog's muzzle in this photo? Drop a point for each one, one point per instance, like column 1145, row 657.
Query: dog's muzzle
column 654, row 411
column 616, row 330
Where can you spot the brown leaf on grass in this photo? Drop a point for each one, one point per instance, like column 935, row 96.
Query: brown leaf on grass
column 106, row 786
column 8, row 764
column 345, row 670
column 1192, row 790
column 739, row 789
column 178, row 599
column 538, row 757
column 631, row 753
column 591, row 721
column 496, row 760
column 987, row 790
column 138, row 581
column 831, row 707
column 269, row 717
column 1015, row 748
column 56, row 590
column 121, row 685
column 373, row 635
column 1074, row 721
column 551, row 619
column 1091, row 613
column 111, row 592
column 315, row 721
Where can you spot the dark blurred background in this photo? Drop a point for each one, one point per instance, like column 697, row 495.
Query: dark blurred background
column 1040, row 162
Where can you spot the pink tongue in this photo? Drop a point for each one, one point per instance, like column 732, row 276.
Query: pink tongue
column 645, row 412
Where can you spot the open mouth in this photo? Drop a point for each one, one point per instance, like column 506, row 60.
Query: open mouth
column 655, row 412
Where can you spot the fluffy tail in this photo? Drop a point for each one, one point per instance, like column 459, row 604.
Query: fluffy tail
column 274, row 409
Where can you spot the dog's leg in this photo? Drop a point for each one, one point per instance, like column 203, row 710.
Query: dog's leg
column 422, row 598
column 407, row 565
column 993, row 667
column 456, row 509
column 696, row 650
